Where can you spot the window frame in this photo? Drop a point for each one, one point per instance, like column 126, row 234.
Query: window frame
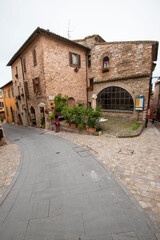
column 36, row 88
column 9, row 94
column 7, row 111
column 24, row 64
column 12, row 90
column 34, row 53
column 71, row 60
column 115, row 98
column 89, row 61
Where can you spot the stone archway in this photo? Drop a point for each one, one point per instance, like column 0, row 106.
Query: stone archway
column 42, row 108
column 33, row 116
column 115, row 98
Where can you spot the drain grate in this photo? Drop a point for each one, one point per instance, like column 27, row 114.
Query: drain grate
column 41, row 133
column 16, row 139
column 126, row 151
column 81, row 152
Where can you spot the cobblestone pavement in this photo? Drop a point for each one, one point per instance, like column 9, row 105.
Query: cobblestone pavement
column 9, row 161
column 135, row 161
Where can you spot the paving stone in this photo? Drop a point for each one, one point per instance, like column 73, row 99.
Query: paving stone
column 125, row 236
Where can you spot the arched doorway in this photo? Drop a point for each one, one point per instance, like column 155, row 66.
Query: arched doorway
column 19, row 119
column 115, row 98
column 42, row 116
column 33, row 116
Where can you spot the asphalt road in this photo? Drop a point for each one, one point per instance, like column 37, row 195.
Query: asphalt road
column 62, row 192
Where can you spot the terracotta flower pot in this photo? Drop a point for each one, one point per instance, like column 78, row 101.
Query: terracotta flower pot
column 73, row 125
column 67, row 124
column 91, row 130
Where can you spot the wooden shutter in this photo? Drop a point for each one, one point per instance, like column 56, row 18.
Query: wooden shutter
column 34, row 90
column 79, row 61
column 26, row 88
column 34, row 56
column 24, row 64
column 70, row 58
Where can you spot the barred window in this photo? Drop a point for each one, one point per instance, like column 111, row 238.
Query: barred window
column 115, row 98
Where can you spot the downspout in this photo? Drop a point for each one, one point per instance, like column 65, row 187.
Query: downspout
column 24, row 91
column 87, row 77
column 149, row 94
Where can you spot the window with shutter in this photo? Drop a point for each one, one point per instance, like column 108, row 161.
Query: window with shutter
column 34, row 56
column 24, row 64
column 75, row 60
column 26, row 89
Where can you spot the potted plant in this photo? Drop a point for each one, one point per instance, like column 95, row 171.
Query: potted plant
column 93, row 117
column 66, row 112
column 90, row 88
column 80, row 127
column 105, row 69
column 76, row 69
column 51, row 117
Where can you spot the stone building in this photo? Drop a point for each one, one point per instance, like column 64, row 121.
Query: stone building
column 2, row 113
column 9, row 102
column 120, row 72
column 157, row 99
column 48, row 64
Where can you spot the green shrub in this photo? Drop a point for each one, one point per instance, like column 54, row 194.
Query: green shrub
column 80, row 126
column 82, row 116
column 52, row 116
column 60, row 102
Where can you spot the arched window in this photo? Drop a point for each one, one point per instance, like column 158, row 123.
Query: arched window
column 106, row 62
column 115, row 98
column 105, row 67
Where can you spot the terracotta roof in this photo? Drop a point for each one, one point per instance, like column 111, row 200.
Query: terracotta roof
column 92, row 36
column 10, row 82
column 34, row 35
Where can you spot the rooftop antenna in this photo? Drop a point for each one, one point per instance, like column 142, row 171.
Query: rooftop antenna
column 69, row 31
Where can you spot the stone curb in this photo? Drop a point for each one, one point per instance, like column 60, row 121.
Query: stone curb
column 135, row 134
column 9, row 188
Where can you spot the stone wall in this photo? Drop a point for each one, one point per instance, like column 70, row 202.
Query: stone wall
column 130, row 69
column 60, row 77
column 55, row 76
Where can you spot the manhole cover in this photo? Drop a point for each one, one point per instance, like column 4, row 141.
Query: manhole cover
column 126, row 151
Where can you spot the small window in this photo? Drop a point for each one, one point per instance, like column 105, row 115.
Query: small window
column 7, row 111
column 75, row 60
column 105, row 67
column 16, row 75
column 5, row 95
column 24, row 64
column 26, row 89
column 89, row 60
column 91, row 82
column 9, row 95
column 36, row 86
column 12, row 92
column 34, row 56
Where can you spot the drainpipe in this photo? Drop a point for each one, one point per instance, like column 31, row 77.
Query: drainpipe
column 24, row 91
column 87, row 77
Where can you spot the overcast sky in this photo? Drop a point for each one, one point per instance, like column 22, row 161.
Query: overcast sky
column 113, row 20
